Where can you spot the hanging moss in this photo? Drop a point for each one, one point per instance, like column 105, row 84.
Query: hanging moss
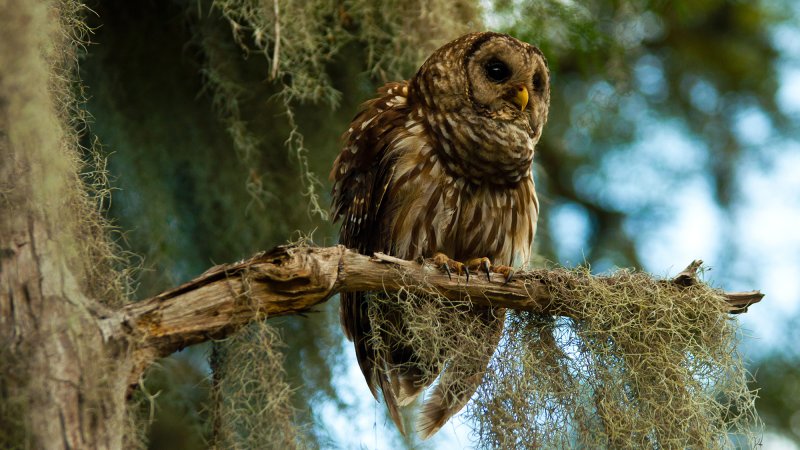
column 648, row 364
column 643, row 364
column 253, row 405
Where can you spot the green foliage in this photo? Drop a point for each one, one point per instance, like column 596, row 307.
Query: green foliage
column 778, row 402
column 778, row 383
column 172, row 405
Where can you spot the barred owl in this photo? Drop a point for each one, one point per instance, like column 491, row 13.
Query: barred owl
column 440, row 166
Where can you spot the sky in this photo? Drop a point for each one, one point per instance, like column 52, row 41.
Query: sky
column 765, row 223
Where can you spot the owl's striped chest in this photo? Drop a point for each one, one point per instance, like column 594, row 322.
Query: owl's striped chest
column 431, row 211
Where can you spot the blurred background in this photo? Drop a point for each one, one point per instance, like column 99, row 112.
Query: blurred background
column 673, row 136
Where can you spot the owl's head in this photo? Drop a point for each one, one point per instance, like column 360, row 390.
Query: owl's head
column 497, row 75
column 508, row 79
column 487, row 96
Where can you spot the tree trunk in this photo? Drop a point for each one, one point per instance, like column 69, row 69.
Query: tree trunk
column 59, row 386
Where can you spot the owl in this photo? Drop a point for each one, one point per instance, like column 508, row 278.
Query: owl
column 439, row 167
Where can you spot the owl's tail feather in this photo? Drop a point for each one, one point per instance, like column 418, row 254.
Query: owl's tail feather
column 461, row 379
column 391, row 403
column 434, row 414
column 411, row 382
column 446, row 400
column 407, row 392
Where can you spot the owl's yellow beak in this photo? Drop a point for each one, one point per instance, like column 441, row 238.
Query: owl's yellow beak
column 521, row 98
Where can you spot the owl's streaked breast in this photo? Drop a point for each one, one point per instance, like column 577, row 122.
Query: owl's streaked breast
column 432, row 210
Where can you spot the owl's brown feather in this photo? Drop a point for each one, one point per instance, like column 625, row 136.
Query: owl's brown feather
column 362, row 178
column 441, row 163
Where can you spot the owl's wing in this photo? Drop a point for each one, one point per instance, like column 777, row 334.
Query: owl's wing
column 362, row 177
column 362, row 172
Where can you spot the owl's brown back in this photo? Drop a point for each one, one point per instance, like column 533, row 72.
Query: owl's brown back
column 406, row 184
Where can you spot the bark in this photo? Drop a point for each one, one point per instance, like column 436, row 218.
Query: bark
column 57, row 392
column 292, row 280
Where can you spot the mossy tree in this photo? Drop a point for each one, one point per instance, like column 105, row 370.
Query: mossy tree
column 61, row 386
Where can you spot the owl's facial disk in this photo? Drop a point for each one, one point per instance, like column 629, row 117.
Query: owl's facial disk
column 509, row 81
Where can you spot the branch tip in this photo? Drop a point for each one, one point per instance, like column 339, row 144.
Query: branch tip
column 688, row 276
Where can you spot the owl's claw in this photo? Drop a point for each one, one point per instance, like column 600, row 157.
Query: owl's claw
column 507, row 271
column 449, row 265
column 485, row 265
column 481, row 264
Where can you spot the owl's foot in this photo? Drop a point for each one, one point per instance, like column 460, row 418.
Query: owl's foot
column 506, row 271
column 449, row 265
column 485, row 265
column 480, row 265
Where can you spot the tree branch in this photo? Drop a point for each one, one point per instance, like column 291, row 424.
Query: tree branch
column 292, row 280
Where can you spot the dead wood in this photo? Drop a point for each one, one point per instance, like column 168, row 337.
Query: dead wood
column 292, row 280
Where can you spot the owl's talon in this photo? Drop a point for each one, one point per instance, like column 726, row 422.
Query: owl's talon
column 509, row 277
column 449, row 265
column 447, row 270
column 481, row 265
column 507, row 271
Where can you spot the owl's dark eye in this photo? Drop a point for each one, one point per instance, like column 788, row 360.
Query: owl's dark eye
column 538, row 82
column 497, row 71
